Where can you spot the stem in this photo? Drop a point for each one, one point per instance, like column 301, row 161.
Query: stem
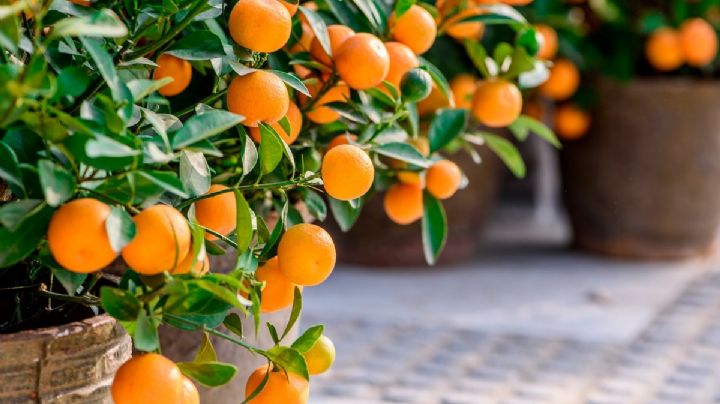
column 88, row 300
column 215, row 332
column 253, row 187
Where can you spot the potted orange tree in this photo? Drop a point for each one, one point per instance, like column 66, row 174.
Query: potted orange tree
column 139, row 140
column 640, row 183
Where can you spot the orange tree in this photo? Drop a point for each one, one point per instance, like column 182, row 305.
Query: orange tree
column 140, row 138
column 621, row 40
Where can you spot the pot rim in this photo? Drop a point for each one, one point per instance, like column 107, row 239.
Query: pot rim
column 75, row 327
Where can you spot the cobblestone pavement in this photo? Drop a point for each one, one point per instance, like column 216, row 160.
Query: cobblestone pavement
column 675, row 360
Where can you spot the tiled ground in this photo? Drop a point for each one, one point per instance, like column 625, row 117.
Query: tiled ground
column 675, row 359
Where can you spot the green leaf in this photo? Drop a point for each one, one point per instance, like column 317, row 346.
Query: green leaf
column 9, row 33
column 198, row 45
column 273, row 333
column 402, row 6
column 18, row 244
column 318, row 27
column 434, row 228
column 146, row 336
column 293, row 81
column 271, row 244
column 446, row 126
column 57, row 183
column 233, row 323
column 345, row 213
column 295, row 312
column 289, row 359
column 209, row 374
column 72, row 81
column 104, row 23
column 120, row 228
column 526, row 123
column 120, row 303
column 141, row 88
column 243, row 227
column 71, row 281
column 315, row 204
column 168, row 180
column 522, row 62
column 306, row 341
column 206, row 352
column 507, row 152
column 437, row 76
column 220, row 292
column 478, row 55
column 9, row 169
column 403, row 152
column 13, row 213
column 527, row 38
column 249, row 156
column 194, row 173
column 203, row 126
column 271, row 148
column 106, row 68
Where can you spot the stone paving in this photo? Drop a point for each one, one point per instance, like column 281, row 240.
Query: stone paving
column 674, row 359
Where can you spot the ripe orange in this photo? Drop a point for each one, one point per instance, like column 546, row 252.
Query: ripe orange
column 664, row 50
column 563, row 82
column 161, row 242
column 497, row 103
column 259, row 96
column 295, row 119
column 699, row 42
column 320, row 114
column 201, row 267
column 281, row 387
column 465, row 30
column 416, row 29
column 402, row 60
column 347, row 172
column 180, row 70
column 338, row 140
column 321, row 356
column 217, row 212
column 306, row 254
column 571, row 122
column 304, row 42
column 290, row 6
column 436, row 100
column 548, row 41
column 338, row 35
column 260, row 25
column 409, row 177
column 404, row 203
column 148, row 378
column 278, row 292
column 463, row 87
column 362, row 61
column 190, row 393
column 77, row 237
column 443, row 179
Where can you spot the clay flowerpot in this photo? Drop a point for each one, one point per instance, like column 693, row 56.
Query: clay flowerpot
column 377, row 241
column 71, row 363
column 644, row 181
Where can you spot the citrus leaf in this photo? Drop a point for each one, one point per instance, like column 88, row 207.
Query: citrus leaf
column 120, row 228
column 446, row 126
column 203, row 126
column 434, row 228
column 210, row 374
column 306, row 341
column 289, row 359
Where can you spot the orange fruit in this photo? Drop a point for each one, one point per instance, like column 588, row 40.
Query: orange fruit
column 306, row 254
column 278, row 292
column 699, row 42
column 321, row 356
column 436, row 100
column 497, row 103
column 443, row 179
column 548, row 41
column 422, row 144
column 338, row 140
column 664, row 50
column 409, row 177
column 260, row 25
column 281, row 387
column 290, row 6
column 338, row 35
column 416, row 29
column 571, row 122
column 259, row 96
column 320, row 114
column 463, row 87
column 190, row 393
column 304, row 42
column 347, row 172
column 563, row 81
column 162, row 240
column 218, row 212
column 402, row 60
column 77, row 237
column 362, row 61
column 295, row 119
column 404, row 203
column 148, row 378
column 201, row 267
column 465, row 30
column 178, row 69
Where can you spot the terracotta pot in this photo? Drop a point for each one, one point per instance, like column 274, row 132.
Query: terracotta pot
column 644, row 182
column 182, row 345
column 377, row 241
column 71, row 363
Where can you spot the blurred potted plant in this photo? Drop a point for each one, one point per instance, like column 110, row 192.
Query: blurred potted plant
column 641, row 183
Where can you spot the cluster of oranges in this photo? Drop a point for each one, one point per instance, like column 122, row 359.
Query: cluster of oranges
column 695, row 43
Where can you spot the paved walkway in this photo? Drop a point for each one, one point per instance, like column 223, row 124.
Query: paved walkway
column 537, row 326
